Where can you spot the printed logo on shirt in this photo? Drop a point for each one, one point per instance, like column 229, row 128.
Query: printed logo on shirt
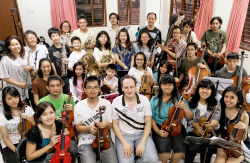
column 140, row 109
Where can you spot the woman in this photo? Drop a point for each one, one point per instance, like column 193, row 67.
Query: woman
column 202, row 104
column 9, row 121
column 15, row 67
column 139, row 69
column 123, row 50
column 231, row 108
column 42, row 138
column 145, row 45
column 160, row 104
column 164, row 69
column 76, row 82
column 65, row 31
column 103, row 49
column 39, row 84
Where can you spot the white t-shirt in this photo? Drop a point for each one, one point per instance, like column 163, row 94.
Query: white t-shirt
column 41, row 52
column 88, row 116
column 12, row 126
column 113, row 34
column 137, row 74
column 112, row 82
column 98, row 54
column 75, row 57
column 131, row 117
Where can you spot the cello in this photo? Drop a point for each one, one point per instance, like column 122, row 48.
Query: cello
column 105, row 88
column 24, row 125
column 195, row 75
column 240, row 81
column 172, row 125
column 62, row 154
column 69, row 115
column 101, row 141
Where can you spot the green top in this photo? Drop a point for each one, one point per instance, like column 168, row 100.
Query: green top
column 186, row 65
column 58, row 104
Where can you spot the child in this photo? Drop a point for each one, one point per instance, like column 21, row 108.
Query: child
column 56, row 57
column 111, row 80
column 77, row 53
column 76, row 82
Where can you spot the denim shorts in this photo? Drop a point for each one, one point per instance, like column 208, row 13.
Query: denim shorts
column 175, row 143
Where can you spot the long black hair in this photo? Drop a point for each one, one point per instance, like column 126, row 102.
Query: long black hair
column 150, row 41
column 168, row 67
column 98, row 44
column 41, row 108
column 235, row 90
column 167, row 79
column 75, row 76
column 40, row 73
column 12, row 91
column 211, row 101
column 144, row 56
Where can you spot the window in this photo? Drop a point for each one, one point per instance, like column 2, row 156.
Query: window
column 185, row 7
column 94, row 10
column 127, row 8
column 245, row 39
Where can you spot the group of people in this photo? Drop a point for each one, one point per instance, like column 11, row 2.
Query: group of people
column 45, row 78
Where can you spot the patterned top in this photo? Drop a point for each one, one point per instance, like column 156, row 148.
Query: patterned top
column 180, row 49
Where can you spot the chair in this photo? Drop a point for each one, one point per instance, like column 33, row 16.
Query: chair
column 21, row 151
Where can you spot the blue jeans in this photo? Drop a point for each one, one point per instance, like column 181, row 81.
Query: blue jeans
column 87, row 154
column 149, row 156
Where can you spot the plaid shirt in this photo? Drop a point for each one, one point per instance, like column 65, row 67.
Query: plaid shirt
column 180, row 50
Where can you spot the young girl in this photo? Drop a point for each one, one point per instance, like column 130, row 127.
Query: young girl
column 139, row 69
column 145, row 45
column 9, row 121
column 202, row 104
column 65, row 31
column 160, row 104
column 123, row 50
column 164, row 68
column 76, row 82
column 103, row 49
column 39, row 84
column 15, row 67
column 231, row 108
column 42, row 138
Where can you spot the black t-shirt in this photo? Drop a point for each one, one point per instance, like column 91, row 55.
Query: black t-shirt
column 56, row 57
column 152, row 34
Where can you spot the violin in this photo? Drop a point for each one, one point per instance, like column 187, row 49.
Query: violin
column 105, row 88
column 240, row 81
column 84, row 95
column 69, row 115
column 172, row 125
column 61, row 154
column 145, row 87
column 235, row 135
column 195, row 75
column 202, row 121
column 217, row 63
column 24, row 125
column 101, row 141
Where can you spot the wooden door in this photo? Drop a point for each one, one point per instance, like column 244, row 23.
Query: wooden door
column 9, row 19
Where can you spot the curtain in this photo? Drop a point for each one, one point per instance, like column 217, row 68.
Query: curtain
column 236, row 25
column 63, row 10
column 205, row 15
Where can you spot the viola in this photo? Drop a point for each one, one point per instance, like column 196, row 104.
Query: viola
column 101, row 141
column 202, row 121
column 240, row 81
column 145, row 87
column 235, row 135
column 62, row 154
column 69, row 118
column 195, row 75
column 172, row 125
column 24, row 125
column 105, row 88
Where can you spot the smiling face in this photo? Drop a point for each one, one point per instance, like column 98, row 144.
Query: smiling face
column 204, row 93
column 167, row 88
column 123, row 37
column 145, row 38
column 15, row 46
column 12, row 101
column 103, row 39
column 163, row 69
column 113, row 19
column 48, row 116
column 230, row 99
column 31, row 40
column 82, row 23
column 79, row 70
column 139, row 60
column 55, row 37
column 65, row 27
column 151, row 19
column 46, row 68
column 76, row 45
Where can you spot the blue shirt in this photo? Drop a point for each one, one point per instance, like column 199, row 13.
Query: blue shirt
column 159, row 119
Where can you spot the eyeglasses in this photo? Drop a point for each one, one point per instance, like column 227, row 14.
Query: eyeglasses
column 94, row 88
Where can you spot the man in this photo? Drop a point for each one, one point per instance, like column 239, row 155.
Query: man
column 114, row 29
column 190, row 61
column 187, row 28
column 178, row 44
column 132, row 117
column 58, row 99
column 36, row 51
column 87, row 122
column 86, row 35
column 215, row 40
column 151, row 19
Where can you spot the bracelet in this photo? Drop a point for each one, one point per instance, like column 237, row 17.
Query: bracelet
column 126, row 68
